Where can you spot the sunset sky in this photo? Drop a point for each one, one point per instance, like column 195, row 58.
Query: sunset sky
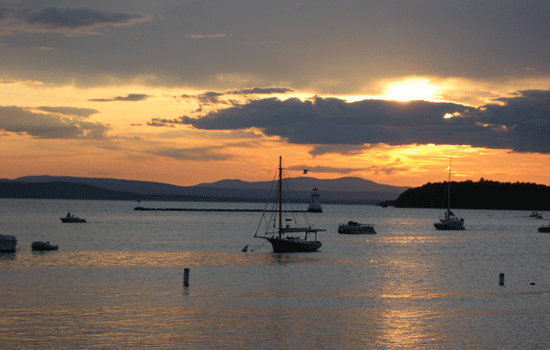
column 189, row 92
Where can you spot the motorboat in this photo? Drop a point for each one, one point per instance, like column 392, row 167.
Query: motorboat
column 71, row 219
column 283, row 239
column 449, row 221
column 7, row 243
column 544, row 228
column 355, row 228
column 43, row 246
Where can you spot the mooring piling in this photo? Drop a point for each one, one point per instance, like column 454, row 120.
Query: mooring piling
column 186, row 277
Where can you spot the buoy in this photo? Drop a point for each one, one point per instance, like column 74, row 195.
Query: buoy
column 501, row 279
column 186, row 277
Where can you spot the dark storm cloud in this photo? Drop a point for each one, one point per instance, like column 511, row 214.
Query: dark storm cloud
column 526, row 117
column 520, row 123
column 49, row 126
column 72, row 18
column 130, row 97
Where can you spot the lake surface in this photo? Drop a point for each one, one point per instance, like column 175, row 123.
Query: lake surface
column 117, row 280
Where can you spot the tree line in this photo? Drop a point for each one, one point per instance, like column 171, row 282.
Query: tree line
column 484, row 194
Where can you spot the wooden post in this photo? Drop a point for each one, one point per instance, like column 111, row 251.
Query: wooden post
column 186, row 277
column 501, row 279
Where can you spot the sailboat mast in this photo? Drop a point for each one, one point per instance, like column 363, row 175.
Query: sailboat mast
column 449, row 186
column 280, row 196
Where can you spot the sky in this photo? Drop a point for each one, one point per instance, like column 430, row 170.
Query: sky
column 188, row 92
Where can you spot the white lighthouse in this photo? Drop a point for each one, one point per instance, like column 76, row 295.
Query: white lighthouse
column 315, row 203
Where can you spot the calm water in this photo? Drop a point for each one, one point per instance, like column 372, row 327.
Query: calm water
column 117, row 281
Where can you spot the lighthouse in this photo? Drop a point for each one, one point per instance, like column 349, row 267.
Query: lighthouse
column 315, row 203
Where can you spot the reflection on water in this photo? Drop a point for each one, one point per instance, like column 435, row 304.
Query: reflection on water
column 125, row 259
column 118, row 281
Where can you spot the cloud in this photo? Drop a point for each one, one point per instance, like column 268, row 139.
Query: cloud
column 162, row 122
column 260, row 91
column 49, row 126
column 347, row 150
column 210, row 98
column 129, row 97
column 199, row 153
column 520, row 122
column 75, row 111
column 62, row 18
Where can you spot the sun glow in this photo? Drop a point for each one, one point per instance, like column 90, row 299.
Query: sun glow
column 410, row 89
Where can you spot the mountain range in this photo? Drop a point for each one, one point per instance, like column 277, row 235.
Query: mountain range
column 343, row 190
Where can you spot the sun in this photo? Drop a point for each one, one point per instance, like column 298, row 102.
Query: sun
column 410, row 89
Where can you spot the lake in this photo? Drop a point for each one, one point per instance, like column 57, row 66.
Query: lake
column 117, row 280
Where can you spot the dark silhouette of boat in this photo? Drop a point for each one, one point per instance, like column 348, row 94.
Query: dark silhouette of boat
column 43, row 246
column 450, row 221
column 7, row 243
column 283, row 239
column 71, row 219
column 355, row 228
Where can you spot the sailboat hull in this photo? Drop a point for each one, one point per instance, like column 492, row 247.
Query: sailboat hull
column 447, row 227
column 293, row 245
column 450, row 225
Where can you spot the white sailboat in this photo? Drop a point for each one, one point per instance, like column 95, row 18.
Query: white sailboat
column 449, row 221
column 280, row 235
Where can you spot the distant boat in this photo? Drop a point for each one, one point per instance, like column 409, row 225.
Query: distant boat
column 71, row 219
column 355, row 228
column 280, row 239
column 535, row 214
column 43, row 246
column 315, row 202
column 7, row 243
column 450, row 221
column 544, row 228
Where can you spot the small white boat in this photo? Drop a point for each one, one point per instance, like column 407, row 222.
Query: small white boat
column 43, row 246
column 7, row 243
column 71, row 219
column 355, row 228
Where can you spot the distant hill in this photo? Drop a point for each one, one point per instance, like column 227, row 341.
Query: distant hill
column 345, row 184
column 477, row 195
column 344, row 190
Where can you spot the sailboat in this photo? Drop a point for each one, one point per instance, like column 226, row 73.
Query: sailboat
column 450, row 221
column 282, row 236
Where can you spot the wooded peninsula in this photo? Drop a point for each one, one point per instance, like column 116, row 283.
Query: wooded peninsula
column 484, row 194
